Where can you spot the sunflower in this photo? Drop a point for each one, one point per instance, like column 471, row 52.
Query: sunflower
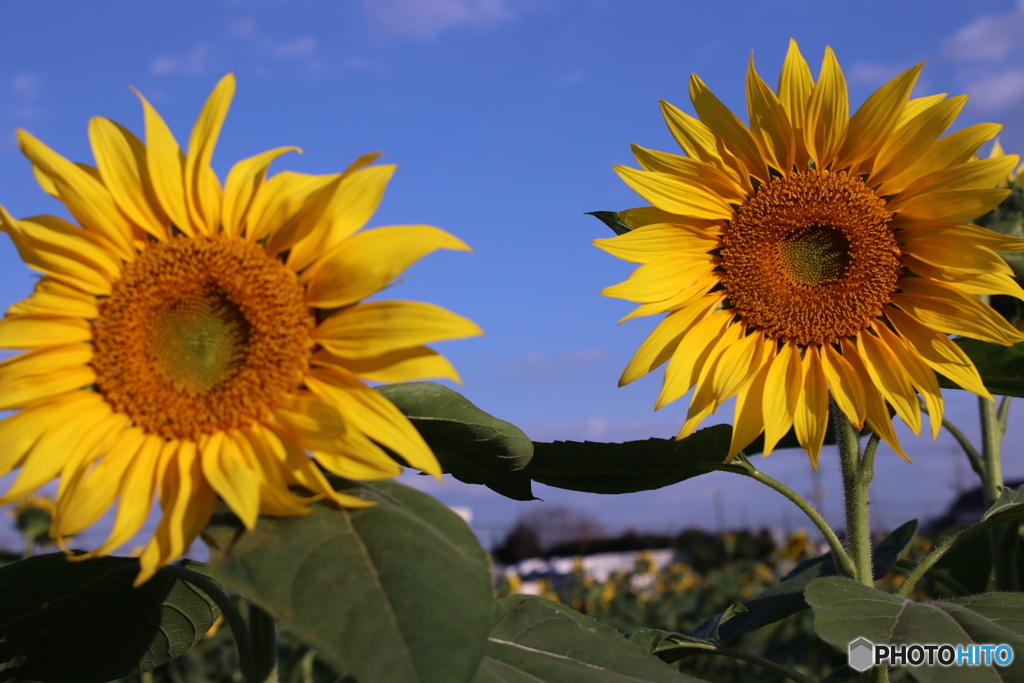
column 190, row 341
column 815, row 253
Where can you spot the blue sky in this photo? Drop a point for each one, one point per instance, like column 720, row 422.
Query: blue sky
column 505, row 118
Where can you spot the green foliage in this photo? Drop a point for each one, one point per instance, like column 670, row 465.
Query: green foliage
column 471, row 445
column 845, row 610
column 787, row 597
column 1001, row 367
column 395, row 592
column 83, row 622
column 539, row 641
column 612, row 220
column 634, row 465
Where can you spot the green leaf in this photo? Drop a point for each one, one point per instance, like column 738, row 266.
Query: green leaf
column 612, row 220
column 1001, row 367
column 83, row 622
column 845, row 610
column 471, row 445
column 400, row 591
column 539, row 641
column 644, row 465
column 1009, row 504
column 787, row 597
column 634, row 465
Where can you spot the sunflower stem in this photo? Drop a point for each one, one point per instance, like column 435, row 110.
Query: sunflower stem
column 263, row 635
column 992, row 430
column 857, row 474
column 842, row 559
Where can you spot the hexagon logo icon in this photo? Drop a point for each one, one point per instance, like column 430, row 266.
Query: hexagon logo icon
column 862, row 655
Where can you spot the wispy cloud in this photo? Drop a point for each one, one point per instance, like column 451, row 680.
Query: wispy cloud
column 194, row 62
column 996, row 91
column 990, row 37
column 543, row 367
column 872, row 73
column 300, row 47
column 425, row 19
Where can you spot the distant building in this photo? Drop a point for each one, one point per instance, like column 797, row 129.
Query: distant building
column 966, row 509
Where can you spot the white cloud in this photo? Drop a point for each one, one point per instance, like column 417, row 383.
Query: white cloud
column 572, row 363
column 300, row 47
column 242, row 28
column 989, row 37
column 871, row 73
column 997, row 91
column 425, row 19
column 194, row 62
column 26, row 86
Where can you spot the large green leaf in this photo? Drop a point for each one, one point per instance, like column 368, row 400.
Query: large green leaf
column 845, row 610
column 787, row 596
column 634, row 465
column 398, row 592
column 1001, row 367
column 644, row 465
column 539, row 641
column 83, row 622
column 471, row 445
column 1008, row 505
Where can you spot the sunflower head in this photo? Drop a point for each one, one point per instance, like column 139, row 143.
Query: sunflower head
column 809, row 253
column 32, row 517
column 193, row 339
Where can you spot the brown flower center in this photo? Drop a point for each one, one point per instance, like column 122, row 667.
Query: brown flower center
column 811, row 257
column 201, row 335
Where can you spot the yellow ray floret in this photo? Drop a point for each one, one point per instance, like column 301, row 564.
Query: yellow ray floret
column 811, row 253
column 192, row 340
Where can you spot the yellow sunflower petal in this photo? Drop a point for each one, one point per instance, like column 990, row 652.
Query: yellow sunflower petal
column 62, row 251
column 55, row 446
column 828, row 110
column 673, row 194
column 233, row 478
column 354, row 202
column 367, row 262
column 938, row 351
column 376, row 327
column 844, row 384
column 949, row 205
column 970, row 283
column 769, row 123
column 684, row 366
column 280, row 199
column 877, row 416
column 917, row 105
column 165, row 162
column 795, row 86
column 188, row 502
column 645, row 244
column 21, row 431
column 274, row 497
column 54, row 298
column 909, row 143
column 202, row 189
column 705, row 399
column 960, row 232
column 692, row 171
column 29, row 331
column 957, row 253
column 888, row 374
column 121, row 161
column 921, row 376
column 873, row 123
column 748, row 418
column 955, row 148
column 688, row 295
column 404, row 365
column 662, row 278
column 662, row 342
column 983, row 174
column 695, row 138
column 89, row 492
column 44, row 373
column 944, row 309
column 244, row 180
column 728, row 128
column 782, row 390
column 370, row 413
column 86, row 197
column 810, row 417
